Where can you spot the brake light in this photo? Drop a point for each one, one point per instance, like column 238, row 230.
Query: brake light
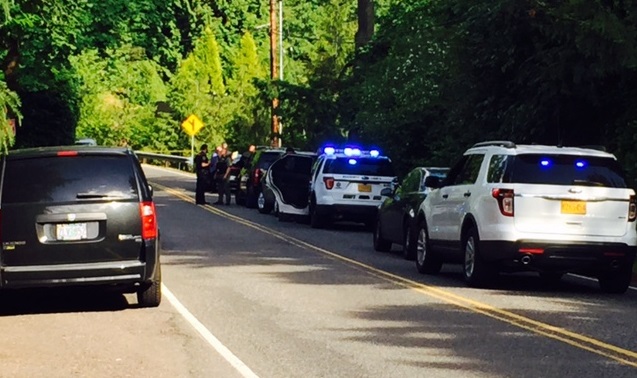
column 632, row 208
column 532, row 251
column 149, row 220
column 257, row 177
column 329, row 182
column 505, row 200
column 67, row 153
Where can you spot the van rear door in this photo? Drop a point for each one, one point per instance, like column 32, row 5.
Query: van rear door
column 73, row 209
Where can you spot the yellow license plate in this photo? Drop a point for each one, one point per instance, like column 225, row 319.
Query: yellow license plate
column 365, row 188
column 574, row 207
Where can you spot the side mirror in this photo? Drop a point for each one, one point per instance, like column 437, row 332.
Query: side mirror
column 150, row 190
column 433, row 182
column 387, row 192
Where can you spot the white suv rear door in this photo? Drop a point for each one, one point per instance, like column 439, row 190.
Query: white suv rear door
column 570, row 195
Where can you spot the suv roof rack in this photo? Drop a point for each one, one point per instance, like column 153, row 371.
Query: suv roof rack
column 502, row 143
column 595, row 147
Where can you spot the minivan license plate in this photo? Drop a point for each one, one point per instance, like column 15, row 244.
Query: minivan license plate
column 364, row 188
column 70, row 231
column 574, row 207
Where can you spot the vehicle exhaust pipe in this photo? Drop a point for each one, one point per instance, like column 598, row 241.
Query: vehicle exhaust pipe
column 526, row 260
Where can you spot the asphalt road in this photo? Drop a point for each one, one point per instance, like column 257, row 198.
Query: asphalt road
column 247, row 295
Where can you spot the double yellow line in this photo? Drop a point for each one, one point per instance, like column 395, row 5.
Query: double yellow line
column 623, row 356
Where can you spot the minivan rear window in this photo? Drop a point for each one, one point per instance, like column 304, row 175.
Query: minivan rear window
column 556, row 169
column 360, row 166
column 63, row 179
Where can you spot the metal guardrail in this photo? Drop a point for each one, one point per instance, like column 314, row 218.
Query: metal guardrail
column 182, row 163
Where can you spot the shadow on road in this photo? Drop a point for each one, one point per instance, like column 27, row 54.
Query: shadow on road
column 48, row 301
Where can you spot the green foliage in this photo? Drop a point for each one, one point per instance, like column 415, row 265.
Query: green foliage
column 250, row 122
column 198, row 88
column 10, row 103
column 121, row 92
column 441, row 75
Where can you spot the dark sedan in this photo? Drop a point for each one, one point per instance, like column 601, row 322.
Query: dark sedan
column 395, row 222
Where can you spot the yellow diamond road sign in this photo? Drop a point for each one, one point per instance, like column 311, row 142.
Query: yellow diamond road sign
column 192, row 125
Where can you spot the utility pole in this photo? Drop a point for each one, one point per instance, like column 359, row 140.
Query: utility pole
column 274, row 35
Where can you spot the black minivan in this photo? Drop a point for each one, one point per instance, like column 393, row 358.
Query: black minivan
column 78, row 216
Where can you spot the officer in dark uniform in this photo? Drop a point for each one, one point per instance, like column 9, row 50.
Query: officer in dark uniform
column 222, row 176
column 203, row 175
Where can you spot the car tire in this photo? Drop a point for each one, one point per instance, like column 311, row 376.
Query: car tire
column 616, row 282
column 409, row 242
column 149, row 295
column 262, row 205
column 477, row 272
column 380, row 244
column 427, row 262
column 316, row 220
column 252, row 196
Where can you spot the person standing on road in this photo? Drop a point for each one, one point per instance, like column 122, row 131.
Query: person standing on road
column 214, row 159
column 222, row 177
column 203, row 175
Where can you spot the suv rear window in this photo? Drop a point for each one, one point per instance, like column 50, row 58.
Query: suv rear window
column 557, row 170
column 61, row 179
column 359, row 166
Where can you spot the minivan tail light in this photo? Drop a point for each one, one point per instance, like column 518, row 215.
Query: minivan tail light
column 505, row 200
column 632, row 208
column 67, row 153
column 257, row 177
column 149, row 220
column 329, row 182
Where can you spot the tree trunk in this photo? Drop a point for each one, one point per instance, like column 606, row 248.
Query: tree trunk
column 365, row 13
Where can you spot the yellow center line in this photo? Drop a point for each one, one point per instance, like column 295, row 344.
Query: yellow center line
column 621, row 355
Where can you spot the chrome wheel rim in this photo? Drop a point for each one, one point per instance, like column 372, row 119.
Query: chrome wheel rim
column 421, row 246
column 469, row 256
column 261, row 201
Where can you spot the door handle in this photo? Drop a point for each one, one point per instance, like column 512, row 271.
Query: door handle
column 445, row 196
column 467, row 194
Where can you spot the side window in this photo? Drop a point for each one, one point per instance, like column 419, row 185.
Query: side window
column 497, row 168
column 470, row 171
column 411, row 183
column 455, row 171
column 316, row 168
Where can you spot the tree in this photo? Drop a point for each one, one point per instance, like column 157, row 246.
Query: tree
column 250, row 115
column 198, row 88
column 9, row 100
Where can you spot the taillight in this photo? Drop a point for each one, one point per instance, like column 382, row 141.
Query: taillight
column 149, row 220
column 257, row 177
column 329, row 182
column 505, row 200
column 632, row 208
column 67, row 153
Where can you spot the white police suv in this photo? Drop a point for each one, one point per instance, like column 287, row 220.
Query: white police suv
column 346, row 185
column 549, row 209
